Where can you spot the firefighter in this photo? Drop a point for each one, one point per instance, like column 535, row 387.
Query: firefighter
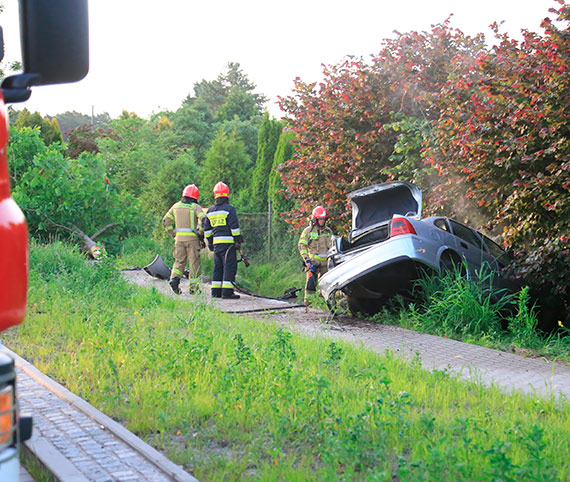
column 314, row 244
column 222, row 232
column 189, row 238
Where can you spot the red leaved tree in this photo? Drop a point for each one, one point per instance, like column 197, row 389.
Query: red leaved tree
column 365, row 123
column 503, row 140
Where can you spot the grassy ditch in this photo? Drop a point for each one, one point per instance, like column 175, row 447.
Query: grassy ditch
column 233, row 398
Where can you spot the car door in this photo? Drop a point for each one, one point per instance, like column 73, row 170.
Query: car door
column 469, row 245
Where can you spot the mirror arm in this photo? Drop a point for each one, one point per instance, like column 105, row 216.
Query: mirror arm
column 16, row 88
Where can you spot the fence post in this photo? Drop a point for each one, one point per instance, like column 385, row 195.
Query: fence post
column 269, row 211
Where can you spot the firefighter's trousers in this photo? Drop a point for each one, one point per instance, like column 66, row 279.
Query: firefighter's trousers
column 187, row 249
column 225, row 269
column 312, row 278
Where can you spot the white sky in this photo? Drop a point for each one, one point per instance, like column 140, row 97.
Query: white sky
column 146, row 55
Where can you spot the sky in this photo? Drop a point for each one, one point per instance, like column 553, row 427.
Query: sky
column 145, row 56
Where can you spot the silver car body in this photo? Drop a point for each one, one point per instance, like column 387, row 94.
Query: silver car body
column 375, row 263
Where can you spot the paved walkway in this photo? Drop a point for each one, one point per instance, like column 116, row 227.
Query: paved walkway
column 506, row 370
column 78, row 443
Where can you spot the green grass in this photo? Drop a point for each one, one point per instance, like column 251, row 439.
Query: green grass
column 232, row 398
column 473, row 311
column 272, row 279
column 35, row 468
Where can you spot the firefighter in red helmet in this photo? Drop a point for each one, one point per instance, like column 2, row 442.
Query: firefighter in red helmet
column 221, row 228
column 188, row 234
column 314, row 244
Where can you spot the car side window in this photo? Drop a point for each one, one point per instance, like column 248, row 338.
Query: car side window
column 441, row 224
column 497, row 251
column 465, row 234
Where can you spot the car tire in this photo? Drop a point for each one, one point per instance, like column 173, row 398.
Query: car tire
column 449, row 262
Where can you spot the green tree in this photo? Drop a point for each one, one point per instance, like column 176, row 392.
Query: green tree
column 194, row 126
column 165, row 187
column 282, row 238
column 239, row 104
column 233, row 81
column 49, row 128
column 133, row 151
column 70, row 120
column 247, row 131
column 276, row 191
column 58, row 194
column 225, row 161
column 268, row 138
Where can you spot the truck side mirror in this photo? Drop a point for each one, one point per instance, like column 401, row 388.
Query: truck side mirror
column 55, row 46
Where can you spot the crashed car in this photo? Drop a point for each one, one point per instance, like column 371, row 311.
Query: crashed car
column 390, row 246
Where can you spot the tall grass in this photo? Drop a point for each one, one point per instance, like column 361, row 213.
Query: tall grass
column 232, row 398
column 473, row 310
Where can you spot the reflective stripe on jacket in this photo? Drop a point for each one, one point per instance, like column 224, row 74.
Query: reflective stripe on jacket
column 221, row 224
column 315, row 242
column 186, row 219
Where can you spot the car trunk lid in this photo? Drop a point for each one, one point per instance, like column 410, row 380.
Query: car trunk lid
column 374, row 206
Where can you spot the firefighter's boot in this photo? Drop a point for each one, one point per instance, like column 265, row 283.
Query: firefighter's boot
column 175, row 285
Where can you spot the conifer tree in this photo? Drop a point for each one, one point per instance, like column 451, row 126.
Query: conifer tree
column 268, row 138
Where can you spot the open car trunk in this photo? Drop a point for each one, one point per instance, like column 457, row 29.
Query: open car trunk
column 373, row 208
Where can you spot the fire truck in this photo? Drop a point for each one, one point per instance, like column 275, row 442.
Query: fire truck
column 55, row 49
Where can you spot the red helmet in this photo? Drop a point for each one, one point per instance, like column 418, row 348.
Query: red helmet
column 221, row 190
column 319, row 213
column 191, row 191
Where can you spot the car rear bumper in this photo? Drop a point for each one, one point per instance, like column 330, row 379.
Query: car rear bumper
column 381, row 270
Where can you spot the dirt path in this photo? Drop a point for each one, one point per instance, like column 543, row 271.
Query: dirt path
column 509, row 371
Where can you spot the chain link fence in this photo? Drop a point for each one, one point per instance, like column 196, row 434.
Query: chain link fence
column 264, row 236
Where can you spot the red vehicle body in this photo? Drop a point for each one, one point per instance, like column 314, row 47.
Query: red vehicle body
column 13, row 242
column 54, row 37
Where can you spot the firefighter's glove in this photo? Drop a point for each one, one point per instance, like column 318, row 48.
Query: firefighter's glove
column 310, row 265
column 211, row 246
column 172, row 233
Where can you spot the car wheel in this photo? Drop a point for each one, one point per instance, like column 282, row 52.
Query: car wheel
column 449, row 262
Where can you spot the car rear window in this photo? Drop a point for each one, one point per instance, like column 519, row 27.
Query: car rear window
column 441, row 224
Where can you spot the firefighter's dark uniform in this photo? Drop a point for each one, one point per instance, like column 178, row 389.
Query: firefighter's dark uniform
column 186, row 216
column 314, row 244
column 222, row 232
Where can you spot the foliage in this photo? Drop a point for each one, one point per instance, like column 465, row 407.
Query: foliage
column 57, row 193
column 166, row 185
column 225, row 161
column 503, row 136
column 239, row 104
column 49, row 128
column 71, row 120
column 193, row 123
column 282, row 238
column 269, row 134
column 231, row 93
column 247, row 131
column 231, row 398
column 84, row 139
column 354, row 126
